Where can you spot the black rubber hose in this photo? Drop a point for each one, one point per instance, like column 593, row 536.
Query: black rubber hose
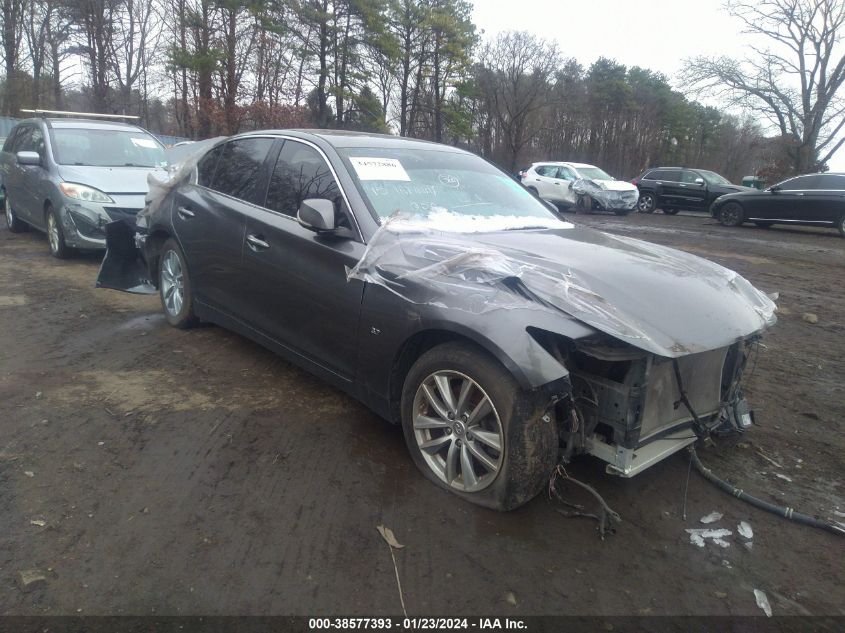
column 783, row 511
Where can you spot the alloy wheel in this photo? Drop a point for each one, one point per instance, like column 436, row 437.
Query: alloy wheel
column 731, row 215
column 172, row 284
column 458, row 431
column 53, row 233
column 645, row 203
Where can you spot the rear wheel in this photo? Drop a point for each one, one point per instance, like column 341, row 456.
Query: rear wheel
column 55, row 236
column 671, row 211
column 731, row 214
column 647, row 203
column 471, row 430
column 13, row 222
column 174, row 287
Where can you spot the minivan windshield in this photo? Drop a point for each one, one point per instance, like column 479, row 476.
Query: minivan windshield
column 449, row 191
column 106, row 148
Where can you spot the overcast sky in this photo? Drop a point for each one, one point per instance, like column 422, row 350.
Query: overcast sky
column 655, row 34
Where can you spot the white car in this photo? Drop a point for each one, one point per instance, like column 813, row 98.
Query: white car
column 580, row 186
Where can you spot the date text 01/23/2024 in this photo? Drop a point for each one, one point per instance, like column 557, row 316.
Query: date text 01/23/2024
column 416, row 624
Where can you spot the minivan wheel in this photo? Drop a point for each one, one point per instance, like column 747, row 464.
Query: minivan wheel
column 174, row 287
column 731, row 214
column 13, row 222
column 472, row 430
column 55, row 237
column 646, row 203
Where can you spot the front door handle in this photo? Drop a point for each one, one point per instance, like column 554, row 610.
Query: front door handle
column 185, row 213
column 256, row 243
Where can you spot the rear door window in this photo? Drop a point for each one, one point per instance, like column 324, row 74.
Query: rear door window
column 671, row 175
column 207, row 165
column 239, row 170
column 566, row 173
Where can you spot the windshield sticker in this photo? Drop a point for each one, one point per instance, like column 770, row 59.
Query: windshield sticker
column 144, row 142
column 448, row 180
column 378, row 168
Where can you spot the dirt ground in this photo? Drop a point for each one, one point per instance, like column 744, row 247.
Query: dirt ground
column 149, row 470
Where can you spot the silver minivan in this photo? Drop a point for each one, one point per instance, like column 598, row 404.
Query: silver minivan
column 70, row 177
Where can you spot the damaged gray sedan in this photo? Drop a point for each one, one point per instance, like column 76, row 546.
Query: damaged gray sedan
column 439, row 292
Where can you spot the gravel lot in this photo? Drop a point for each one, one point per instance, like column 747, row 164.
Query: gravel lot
column 149, row 470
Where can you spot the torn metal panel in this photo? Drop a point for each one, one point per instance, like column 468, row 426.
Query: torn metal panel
column 655, row 298
column 606, row 194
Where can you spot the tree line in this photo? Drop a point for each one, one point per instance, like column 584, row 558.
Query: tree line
column 418, row 68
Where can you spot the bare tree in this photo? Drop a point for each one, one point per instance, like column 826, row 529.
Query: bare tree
column 12, row 33
column 794, row 79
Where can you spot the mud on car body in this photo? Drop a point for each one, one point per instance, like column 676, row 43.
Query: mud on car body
column 439, row 292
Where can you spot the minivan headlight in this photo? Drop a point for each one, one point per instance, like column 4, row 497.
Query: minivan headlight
column 81, row 192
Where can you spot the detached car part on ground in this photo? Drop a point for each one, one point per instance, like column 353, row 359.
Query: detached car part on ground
column 439, row 292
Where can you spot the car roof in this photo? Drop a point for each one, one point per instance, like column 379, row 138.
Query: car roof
column 84, row 124
column 563, row 164
column 349, row 139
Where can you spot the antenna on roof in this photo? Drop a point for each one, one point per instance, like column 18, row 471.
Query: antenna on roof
column 92, row 115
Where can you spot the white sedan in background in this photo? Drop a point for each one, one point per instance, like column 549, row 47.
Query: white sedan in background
column 580, row 186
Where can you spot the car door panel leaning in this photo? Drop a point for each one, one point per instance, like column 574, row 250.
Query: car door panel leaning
column 448, row 299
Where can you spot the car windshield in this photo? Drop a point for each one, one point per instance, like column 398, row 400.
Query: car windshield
column 713, row 178
column 106, row 148
column 594, row 173
column 449, row 191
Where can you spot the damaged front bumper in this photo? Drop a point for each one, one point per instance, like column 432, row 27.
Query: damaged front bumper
column 124, row 267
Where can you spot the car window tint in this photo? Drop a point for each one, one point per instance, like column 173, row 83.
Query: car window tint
column 831, row 181
column 800, row 183
column 566, row 173
column 689, row 176
column 671, row 175
column 207, row 165
column 239, row 169
column 24, row 141
column 301, row 173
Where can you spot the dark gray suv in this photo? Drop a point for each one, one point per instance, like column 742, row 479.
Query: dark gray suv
column 71, row 177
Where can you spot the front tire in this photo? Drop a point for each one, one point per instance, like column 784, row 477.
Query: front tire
column 13, row 222
column 55, row 237
column 647, row 203
column 731, row 214
column 472, row 431
column 174, row 287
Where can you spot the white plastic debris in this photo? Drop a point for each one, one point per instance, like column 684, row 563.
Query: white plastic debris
column 697, row 536
column 763, row 602
column 712, row 517
column 784, row 477
column 744, row 529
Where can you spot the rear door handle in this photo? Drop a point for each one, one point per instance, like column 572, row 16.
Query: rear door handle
column 185, row 213
column 256, row 243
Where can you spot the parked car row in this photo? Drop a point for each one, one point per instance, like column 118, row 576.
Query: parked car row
column 383, row 265
column 810, row 200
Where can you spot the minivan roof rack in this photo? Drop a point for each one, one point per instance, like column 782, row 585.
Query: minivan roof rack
column 92, row 115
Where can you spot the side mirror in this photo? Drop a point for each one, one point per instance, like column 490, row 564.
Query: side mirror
column 28, row 158
column 699, row 181
column 317, row 214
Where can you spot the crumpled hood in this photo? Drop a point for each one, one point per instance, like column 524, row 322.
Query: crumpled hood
column 655, row 298
column 112, row 180
column 614, row 185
